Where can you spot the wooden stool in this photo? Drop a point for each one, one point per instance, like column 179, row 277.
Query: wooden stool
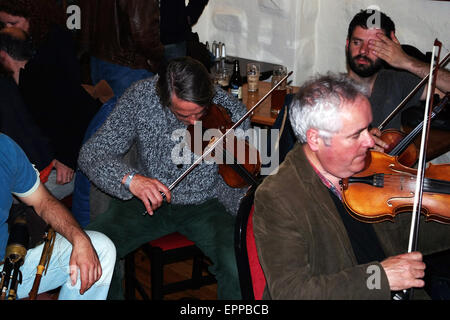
column 168, row 249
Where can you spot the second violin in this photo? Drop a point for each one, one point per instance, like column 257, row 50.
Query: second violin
column 402, row 145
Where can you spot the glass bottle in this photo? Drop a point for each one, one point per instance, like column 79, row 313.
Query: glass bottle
column 236, row 81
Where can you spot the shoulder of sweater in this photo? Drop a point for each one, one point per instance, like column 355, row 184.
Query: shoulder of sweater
column 140, row 90
column 145, row 84
column 236, row 108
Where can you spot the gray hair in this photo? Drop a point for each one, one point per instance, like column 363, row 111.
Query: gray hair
column 188, row 79
column 317, row 104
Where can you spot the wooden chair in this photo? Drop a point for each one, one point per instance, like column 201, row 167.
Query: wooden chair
column 251, row 276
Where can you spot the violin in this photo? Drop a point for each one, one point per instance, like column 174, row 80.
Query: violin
column 401, row 145
column 386, row 188
column 395, row 188
column 239, row 162
column 396, row 139
column 391, row 187
column 218, row 118
column 214, row 142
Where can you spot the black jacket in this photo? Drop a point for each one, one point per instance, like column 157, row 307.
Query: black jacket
column 124, row 32
column 16, row 122
column 174, row 24
column 50, row 85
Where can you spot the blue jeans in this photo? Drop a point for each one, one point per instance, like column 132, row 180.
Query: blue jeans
column 118, row 77
column 58, row 270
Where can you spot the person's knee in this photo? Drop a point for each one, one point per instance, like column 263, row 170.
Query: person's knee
column 106, row 252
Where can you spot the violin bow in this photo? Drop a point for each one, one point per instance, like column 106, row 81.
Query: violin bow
column 412, row 93
column 415, row 217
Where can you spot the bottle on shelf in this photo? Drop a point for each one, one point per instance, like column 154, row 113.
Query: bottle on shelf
column 236, row 81
column 217, row 53
column 223, row 53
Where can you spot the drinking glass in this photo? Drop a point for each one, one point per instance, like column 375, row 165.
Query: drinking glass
column 278, row 95
column 253, row 72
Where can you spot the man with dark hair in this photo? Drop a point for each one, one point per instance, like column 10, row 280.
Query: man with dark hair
column 371, row 18
column 371, row 45
column 185, row 85
column 16, row 43
column 15, row 50
column 376, row 59
column 60, row 109
column 17, row 123
column 150, row 118
column 365, row 20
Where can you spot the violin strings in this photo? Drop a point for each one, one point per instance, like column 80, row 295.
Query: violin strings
column 438, row 185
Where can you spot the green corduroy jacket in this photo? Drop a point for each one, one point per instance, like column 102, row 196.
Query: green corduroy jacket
column 304, row 248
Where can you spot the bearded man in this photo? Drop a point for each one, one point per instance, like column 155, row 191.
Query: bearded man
column 372, row 46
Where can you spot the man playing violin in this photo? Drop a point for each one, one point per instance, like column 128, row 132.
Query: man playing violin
column 147, row 120
column 372, row 46
column 309, row 246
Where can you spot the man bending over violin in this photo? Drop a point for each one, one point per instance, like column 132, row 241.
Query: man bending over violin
column 146, row 120
column 372, row 46
column 309, row 246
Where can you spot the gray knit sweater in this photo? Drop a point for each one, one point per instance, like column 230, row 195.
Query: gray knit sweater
column 140, row 119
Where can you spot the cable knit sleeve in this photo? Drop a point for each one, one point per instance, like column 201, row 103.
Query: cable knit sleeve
column 102, row 156
column 236, row 108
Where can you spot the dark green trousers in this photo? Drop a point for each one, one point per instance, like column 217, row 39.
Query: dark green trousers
column 207, row 224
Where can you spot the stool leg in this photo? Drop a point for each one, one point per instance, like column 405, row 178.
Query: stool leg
column 130, row 277
column 197, row 265
column 157, row 274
